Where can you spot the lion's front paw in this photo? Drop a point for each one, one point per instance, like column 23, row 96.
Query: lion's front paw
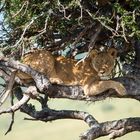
column 86, row 91
column 121, row 89
column 56, row 81
column 90, row 90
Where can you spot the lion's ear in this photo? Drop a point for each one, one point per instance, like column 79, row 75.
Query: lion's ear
column 93, row 53
column 112, row 52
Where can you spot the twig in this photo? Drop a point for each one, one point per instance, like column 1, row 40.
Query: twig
column 26, row 8
column 11, row 124
column 26, row 28
column 81, row 10
column 81, row 34
column 117, row 24
column 46, row 22
column 9, row 88
column 25, row 3
column 12, row 119
column 32, row 21
column 92, row 43
column 63, row 10
column 102, row 23
column 123, row 30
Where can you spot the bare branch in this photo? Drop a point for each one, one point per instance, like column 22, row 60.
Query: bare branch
column 9, row 88
column 47, row 114
column 113, row 129
column 12, row 117
column 29, row 93
column 11, row 124
column 17, row 105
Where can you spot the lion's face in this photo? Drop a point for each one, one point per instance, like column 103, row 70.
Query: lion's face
column 103, row 62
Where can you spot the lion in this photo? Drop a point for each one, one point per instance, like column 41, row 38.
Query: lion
column 66, row 71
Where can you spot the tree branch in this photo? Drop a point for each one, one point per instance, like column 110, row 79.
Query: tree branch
column 47, row 114
column 131, row 84
column 137, row 51
column 9, row 88
column 41, row 80
column 112, row 128
column 94, row 37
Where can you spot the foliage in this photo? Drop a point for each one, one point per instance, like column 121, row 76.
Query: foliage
column 58, row 24
column 71, row 28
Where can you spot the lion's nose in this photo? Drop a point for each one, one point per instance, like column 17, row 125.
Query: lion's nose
column 102, row 71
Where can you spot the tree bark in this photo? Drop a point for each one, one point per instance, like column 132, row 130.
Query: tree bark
column 137, row 51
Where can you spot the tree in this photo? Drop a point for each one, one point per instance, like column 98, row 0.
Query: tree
column 71, row 27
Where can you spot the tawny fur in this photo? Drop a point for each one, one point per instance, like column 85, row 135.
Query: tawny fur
column 66, row 71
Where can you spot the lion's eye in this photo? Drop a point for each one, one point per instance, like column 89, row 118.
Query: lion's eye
column 97, row 63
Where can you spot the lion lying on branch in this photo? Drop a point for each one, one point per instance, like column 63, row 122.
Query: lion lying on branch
column 66, row 71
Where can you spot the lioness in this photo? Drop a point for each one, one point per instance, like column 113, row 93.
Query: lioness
column 67, row 71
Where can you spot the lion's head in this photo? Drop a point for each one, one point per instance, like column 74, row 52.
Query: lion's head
column 103, row 62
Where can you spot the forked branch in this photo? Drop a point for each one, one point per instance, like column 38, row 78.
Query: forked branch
column 31, row 91
column 113, row 128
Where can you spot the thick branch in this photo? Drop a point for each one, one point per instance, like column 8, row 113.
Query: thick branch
column 76, row 92
column 41, row 80
column 131, row 84
column 113, row 129
column 47, row 114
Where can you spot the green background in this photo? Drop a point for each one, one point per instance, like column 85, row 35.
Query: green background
column 110, row 109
